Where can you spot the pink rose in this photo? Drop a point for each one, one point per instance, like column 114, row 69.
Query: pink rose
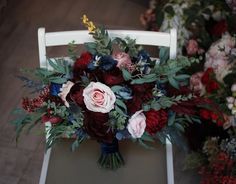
column 123, row 60
column 64, row 92
column 137, row 124
column 233, row 87
column 98, row 97
column 196, row 83
column 192, row 47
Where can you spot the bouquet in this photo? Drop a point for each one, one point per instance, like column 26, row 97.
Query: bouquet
column 112, row 92
column 216, row 159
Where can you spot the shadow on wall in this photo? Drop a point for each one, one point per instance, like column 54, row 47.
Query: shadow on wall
column 3, row 4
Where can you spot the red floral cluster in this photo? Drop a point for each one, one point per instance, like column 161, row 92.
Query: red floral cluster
column 31, row 105
column 210, row 115
column 208, row 79
column 219, row 170
column 141, row 94
column 219, row 28
column 81, row 63
column 155, row 120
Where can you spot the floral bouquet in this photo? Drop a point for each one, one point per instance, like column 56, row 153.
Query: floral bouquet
column 216, row 160
column 111, row 92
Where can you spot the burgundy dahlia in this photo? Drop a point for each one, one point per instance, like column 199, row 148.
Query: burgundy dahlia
column 155, row 121
column 96, row 126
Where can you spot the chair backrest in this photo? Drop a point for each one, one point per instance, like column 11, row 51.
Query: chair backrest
column 80, row 37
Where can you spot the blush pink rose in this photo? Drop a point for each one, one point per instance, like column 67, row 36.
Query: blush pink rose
column 98, row 97
column 123, row 60
column 137, row 124
column 64, row 92
column 196, row 83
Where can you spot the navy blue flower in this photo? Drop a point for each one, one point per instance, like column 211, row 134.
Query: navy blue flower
column 107, row 63
column 55, row 89
column 143, row 55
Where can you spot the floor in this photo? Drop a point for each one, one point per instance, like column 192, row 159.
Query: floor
column 21, row 163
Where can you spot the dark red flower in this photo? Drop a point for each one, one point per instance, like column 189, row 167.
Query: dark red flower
column 206, row 76
column 76, row 94
column 205, row 114
column 82, row 62
column 134, row 104
column 220, row 123
column 214, row 116
column 219, row 28
column 212, row 86
column 113, row 77
column 51, row 119
column 95, row 125
column 155, row 121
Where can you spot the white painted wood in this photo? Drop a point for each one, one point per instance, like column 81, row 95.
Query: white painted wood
column 80, row 37
column 42, row 48
column 46, row 158
column 169, row 162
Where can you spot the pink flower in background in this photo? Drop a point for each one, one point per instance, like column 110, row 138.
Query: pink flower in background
column 196, row 83
column 98, row 97
column 64, row 92
column 123, row 60
column 217, row 56
column 192, row 47
column 137, row 124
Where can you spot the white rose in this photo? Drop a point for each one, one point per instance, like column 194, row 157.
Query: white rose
column 137, row 124
column 99, row 98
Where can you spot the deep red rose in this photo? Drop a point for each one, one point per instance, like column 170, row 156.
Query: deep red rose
column 76, row 94
column 220, row 123
column 53, row 119
column 141, row 88
column 155, row 121
column 212, row 86
column 214, row 116
column 82, row 62
column 205, row 114
column 95, row 125
column 206, row 76
column 113, row 77
column 219, row 28
column 134, row 104
column 141, row 94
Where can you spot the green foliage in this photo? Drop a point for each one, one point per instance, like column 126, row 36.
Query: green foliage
column 127, row 76
column 127, row 45
column 102, row 44
column 25, row 121
column 117, row 119
column 145, row 79
column 164, row 54
column 72, row 50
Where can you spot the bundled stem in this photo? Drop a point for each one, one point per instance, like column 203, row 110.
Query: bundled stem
column 110, row 157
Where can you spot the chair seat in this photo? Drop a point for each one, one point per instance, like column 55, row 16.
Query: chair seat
column 142, row 166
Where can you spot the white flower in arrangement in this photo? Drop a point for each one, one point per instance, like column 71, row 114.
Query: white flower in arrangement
column 137, row 124
column 231, row 100
column 98, row 97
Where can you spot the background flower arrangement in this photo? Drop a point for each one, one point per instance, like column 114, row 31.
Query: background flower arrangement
column 201, row 21
column 114, row 91
column 207, row 31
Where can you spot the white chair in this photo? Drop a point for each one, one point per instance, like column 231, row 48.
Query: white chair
column 80, row 37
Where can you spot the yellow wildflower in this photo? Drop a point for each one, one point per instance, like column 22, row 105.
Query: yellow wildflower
column 89, row 24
